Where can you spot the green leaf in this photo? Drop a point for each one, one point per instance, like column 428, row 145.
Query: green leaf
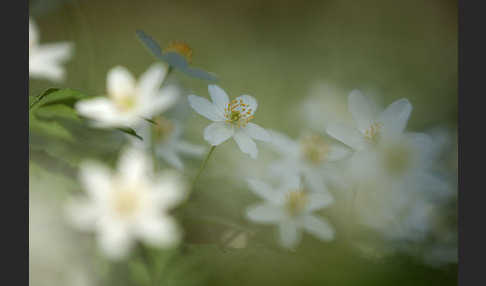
column 52, row 95
column 57, row 111
column 49, row 128
column 130, row 131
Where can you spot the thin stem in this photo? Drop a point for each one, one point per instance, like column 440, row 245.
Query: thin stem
column 203, row 164
column 148, row 261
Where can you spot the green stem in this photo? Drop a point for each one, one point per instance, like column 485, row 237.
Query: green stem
column 203, row 164
column 145, row 253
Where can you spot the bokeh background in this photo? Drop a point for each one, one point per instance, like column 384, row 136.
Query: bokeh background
column 281, row 52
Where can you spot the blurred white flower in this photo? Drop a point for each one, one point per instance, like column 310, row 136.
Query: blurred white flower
column 130, row 204
column 371, row 124
column 325, row 103
column 393, row 183
column 129, row 101
column 169, row 144
column 291, row 207
column 311, row 157
column 231, row 119
column 45, row 61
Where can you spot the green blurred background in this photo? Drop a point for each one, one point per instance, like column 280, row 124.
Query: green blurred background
column 275, row 51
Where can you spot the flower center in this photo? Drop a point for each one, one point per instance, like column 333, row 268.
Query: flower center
column 372, row 133
column 314, row 148
column 125, row 102
column 163, row 129
column 181, row 48
column 397, row 159
column 238, row 113
column 296, row 202
column 126, row 202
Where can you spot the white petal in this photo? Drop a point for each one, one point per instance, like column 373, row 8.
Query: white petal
column 170, row 189
column 283, row 144
column 101, row 110
column 315, row 181
column 395, row 117
column 45, row 61
column 159, row 231
column 363, row 109
column 318, row 201
column 33, row 33
column 171, row 157
column 337, row 152
column 257, row 132
column 318, row 227
column 218, row 132
column 96, row 179
column 151, row 80
column 114, row 240
column 289, row 234
column 134, row 165
column 82, row 214
column 163, row 100
column 205, row 108
column 349, row 136
column 250, row 100
column 190, row 149
column 218, row 96
column 246, row 144
column 120, row 82
column 262, row 189
column 291, row 182
column 264, row 213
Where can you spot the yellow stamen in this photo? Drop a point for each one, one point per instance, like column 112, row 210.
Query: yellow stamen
column 296, row 202
column 372, row 133
column 314, row 148
column 237, row 113
column 181, row 48
column 163, row 128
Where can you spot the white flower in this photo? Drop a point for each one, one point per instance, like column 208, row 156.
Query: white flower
column 326, row 103
column 45, row 61
column 291, row 207
column 169, row 145
column 312, row 157
column 371, row 124
column 396, row 191
column 129, row 101
column 130, row 204
column 231, row 119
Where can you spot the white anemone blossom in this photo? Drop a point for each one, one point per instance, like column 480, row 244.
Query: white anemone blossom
column 169, row 145
column 128, row 205
column 45, row 61
column 371, row 124
column 312, row 157
column 231, row 119
column 396, row 189
column 130, row 102
column 291, row 207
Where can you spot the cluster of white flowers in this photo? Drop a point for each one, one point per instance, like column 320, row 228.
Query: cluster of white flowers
column 388, row 170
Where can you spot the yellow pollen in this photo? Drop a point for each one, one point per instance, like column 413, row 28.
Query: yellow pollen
column 125, row 103
column 163, row 128
column 238, row 113
column 126, row 202
column 181, row 48
column 314, row 148
column 296, row 202
column 371, row 134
